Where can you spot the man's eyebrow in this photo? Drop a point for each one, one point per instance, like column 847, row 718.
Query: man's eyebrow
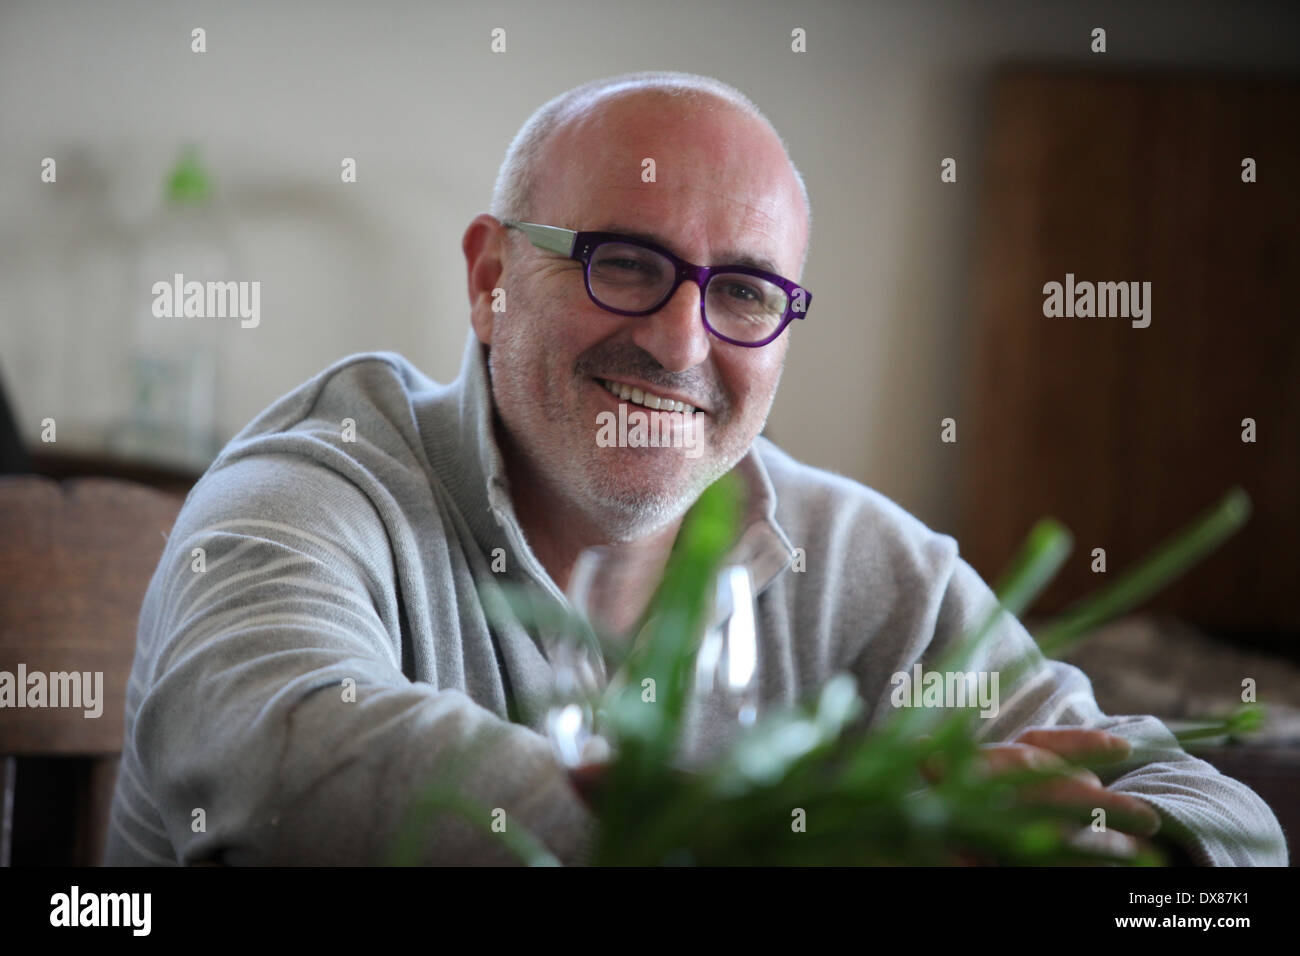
column 731, row 257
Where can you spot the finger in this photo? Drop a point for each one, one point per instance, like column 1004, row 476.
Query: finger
column 1005, row 758
column 1024, row 755
column 1002, row 758
column 1111, row 842
column 1125, row 813
column 1078, row 743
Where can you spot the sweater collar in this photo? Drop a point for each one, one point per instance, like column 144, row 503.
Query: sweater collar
column 478, row 479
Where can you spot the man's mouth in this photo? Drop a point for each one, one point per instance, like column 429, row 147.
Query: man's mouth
column 640, row 396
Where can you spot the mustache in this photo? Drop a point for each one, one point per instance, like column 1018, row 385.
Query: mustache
column 624, row 358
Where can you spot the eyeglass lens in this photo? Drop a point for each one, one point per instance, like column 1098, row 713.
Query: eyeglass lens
column 635, row 279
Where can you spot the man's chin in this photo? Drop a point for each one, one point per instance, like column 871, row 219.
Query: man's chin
column 629, row 509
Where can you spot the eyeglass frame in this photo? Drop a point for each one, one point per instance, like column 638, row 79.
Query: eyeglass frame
column 580, row 245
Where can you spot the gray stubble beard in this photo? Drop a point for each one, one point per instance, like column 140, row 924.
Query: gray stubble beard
column 582, row 482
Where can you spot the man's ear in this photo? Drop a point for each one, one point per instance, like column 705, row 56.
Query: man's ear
column 484, row 245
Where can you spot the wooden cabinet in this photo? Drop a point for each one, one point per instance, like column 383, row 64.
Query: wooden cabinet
column 1125, row 433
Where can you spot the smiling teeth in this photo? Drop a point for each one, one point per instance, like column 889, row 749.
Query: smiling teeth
column 648, row 399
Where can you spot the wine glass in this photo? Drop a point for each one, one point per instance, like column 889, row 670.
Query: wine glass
column 571, row 722
column 724, row 694
column 612, row 596
column 578, row 661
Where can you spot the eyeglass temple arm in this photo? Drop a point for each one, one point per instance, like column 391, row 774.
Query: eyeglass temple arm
column 551, row 238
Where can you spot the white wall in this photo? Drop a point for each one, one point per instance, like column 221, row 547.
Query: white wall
column 411, row 90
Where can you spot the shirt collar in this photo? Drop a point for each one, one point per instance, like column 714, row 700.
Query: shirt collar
column 478, row 479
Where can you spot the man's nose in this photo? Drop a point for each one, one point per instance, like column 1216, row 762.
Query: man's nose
column 675, row 335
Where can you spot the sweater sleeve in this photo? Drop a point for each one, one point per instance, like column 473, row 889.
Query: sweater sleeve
column 1230, row 825
column 274, row 697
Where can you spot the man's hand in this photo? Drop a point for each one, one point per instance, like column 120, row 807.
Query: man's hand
column 1057, row 747
column 1129, row 821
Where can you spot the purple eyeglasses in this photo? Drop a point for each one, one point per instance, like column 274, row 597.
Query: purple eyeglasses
column 629, row 276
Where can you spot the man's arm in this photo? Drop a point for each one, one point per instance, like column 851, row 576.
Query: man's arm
column 248, row 711
column 1229, row 823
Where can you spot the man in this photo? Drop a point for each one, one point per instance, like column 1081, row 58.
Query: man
column 313, row 651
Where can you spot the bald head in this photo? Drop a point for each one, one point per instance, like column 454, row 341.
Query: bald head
column 594, row 129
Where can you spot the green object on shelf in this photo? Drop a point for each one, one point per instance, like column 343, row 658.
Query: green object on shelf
column 188, row 180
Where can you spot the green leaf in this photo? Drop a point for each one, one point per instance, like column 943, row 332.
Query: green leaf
column 1152, row 573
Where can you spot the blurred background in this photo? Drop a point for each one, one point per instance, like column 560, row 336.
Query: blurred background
column 1117, row 166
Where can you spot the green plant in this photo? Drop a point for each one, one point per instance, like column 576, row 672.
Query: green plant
column 862, row 793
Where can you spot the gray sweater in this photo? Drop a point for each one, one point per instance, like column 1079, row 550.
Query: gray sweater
column 302, row 679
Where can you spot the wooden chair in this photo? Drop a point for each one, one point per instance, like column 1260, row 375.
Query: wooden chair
column 75, row 557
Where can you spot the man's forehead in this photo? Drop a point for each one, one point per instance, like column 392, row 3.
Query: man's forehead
column 748, row 250
column 703, row 179
column 711, row 223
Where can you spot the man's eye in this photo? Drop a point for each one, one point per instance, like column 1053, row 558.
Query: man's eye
column 744, row 293
column 630, row 265
column 627, row 270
